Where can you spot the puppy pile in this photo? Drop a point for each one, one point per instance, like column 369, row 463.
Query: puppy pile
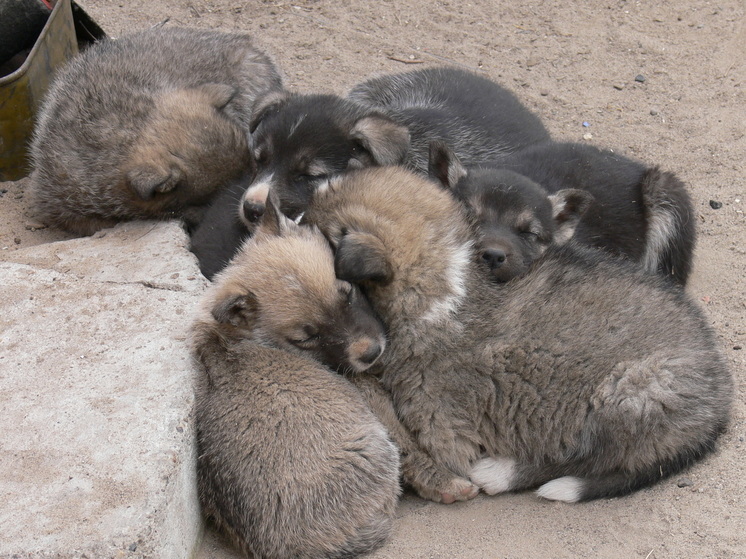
column 507, row 312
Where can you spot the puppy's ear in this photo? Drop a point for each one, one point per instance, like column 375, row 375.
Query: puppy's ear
column 443, row 165
column 568, row 206
column 217, row 94
column 240, row 310
column 267, row 103
column 273, row 221
column 386, row 141
column 147, row 179
column 362, row 257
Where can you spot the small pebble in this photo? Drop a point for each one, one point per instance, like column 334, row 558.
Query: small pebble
column 34, row 225
column 715, row 205
column 17, row 240
column 133, row 546
column 544, row 93
column 619, row 86
column 653, row 112
column 640, row 78
column 586, row 124
column 587, row 136
column 684, row 482
column 737, row 347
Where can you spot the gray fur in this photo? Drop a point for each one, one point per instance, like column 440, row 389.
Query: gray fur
column 146, row 126
column 292, row 462
column 585, row 372
column 479, row 119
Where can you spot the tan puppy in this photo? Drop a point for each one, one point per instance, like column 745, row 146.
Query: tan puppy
column 146, row 126
column 292, row 463
column 584, row 377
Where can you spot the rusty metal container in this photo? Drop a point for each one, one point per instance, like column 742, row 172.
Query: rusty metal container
column 66, row 29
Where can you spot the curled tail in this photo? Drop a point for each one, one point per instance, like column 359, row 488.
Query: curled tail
column 573, row 489
column 671, row 234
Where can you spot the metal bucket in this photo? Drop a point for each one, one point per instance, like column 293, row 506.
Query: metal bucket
column 21, row 92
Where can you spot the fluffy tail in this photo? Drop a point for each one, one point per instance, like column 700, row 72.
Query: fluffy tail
column 671, row 232
column 574, row 489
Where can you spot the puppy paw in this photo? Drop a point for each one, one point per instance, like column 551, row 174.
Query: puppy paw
column 493, row 475
column 442, row 486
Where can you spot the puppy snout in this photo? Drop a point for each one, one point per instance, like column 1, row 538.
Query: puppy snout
column 253, row 210
column 372, row 353
column 494, row 257
column 365, row 351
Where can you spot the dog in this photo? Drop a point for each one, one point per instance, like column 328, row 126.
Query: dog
column 291, row 461
column 150, row 125
column 585, row 377
column 480, row 120
column 553, row 192
column 303, row 140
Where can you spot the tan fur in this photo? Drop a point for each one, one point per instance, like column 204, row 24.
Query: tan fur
column 292, row 462
column 585, row 373
column 150, row 125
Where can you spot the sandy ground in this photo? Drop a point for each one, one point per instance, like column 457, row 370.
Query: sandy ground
column 663, row 82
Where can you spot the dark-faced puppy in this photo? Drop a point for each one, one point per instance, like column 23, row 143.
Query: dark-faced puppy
column 479, row 119
column 598, row 198
column 302, row 140
column 584, row 377
column 150, row 125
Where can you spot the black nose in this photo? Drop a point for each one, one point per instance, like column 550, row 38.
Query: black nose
column 372, row 353
column 494, row 257
column 253, row 211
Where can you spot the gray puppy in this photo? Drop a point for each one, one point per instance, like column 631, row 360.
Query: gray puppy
column 146, row 126
column 584, row 377
column 292, row 463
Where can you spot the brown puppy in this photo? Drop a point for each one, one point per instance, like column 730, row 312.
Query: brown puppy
column 292, row 463
column 146, row 126
column 584, row 377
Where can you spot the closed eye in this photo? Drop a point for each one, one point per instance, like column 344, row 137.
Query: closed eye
column 309, row 339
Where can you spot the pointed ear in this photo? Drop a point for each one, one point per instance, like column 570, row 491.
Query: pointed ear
column 568, row 206
column 217, row 94
column 443, row 165
column 148, row 179
column 240, row 310
column 362, row 257
column 386, row 141
column 265, row 104
column 273, row 221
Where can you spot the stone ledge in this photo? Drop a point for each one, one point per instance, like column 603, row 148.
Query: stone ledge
column 97, row 456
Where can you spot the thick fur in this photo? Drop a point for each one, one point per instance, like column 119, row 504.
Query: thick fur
column 292, row 463
column 303, row 140
column 479, row 119
column 218, row 236
column 146, row 126
column 584, row 376
column 597, row 198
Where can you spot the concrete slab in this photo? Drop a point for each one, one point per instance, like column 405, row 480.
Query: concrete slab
column 97, row 453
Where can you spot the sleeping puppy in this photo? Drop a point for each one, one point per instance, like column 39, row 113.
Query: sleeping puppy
column 291, row 460
column 303, row 140
column 584, row 378
column 553, row 192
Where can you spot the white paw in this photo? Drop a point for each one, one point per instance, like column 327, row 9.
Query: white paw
column 493, row 475
column 568, row 489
